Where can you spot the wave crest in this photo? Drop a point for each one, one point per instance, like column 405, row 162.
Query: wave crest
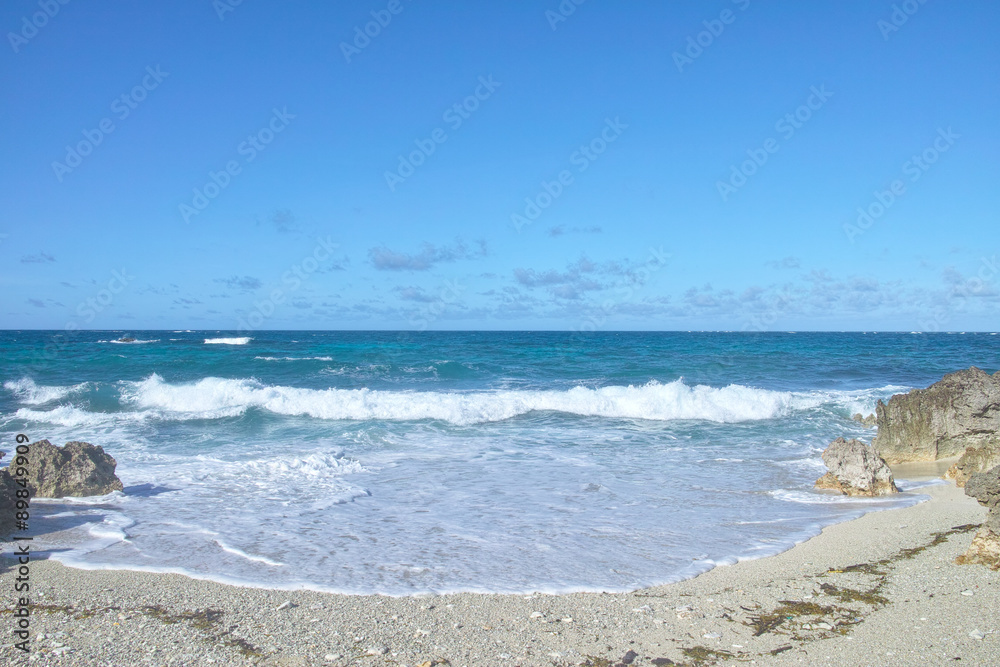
column 28, row 392
column 218, row 397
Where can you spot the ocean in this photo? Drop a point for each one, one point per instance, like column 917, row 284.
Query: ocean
column 400, row 463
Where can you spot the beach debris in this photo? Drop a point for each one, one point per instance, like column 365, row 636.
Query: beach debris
column 330, row 657
column 869, row 421
column 855, row 470
column 968, row 593
column 978, row 634
column 961, row 410
column 284, row 605
column 567, row 619
column 377, row 650
column 537, row 614
column 712, row 635
column 76, row 469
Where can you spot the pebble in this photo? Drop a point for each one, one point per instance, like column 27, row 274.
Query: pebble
column 568, row 619
column 977, row 634
column 284, row 605
column 711, row 635
column 537, row 614
column 377, row 650
column 330, row 657
column 968, row 593
column 824, row 626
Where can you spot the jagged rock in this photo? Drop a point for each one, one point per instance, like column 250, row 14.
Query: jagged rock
column 78, row 469
column 870, row 420
column 985, row 547
column 961, row 410
column 855, row 470
column 974, row 460
column 7, row 502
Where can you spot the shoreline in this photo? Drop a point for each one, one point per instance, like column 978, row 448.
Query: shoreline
column 858, row 589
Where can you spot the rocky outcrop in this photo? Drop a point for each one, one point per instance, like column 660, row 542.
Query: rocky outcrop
column 78, row 469
column 962, row 410
column 985, row 548
column 855, row 470
column 870, row 420
column 974, row 460
column 7, row 502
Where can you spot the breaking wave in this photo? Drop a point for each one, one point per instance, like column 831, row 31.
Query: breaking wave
column 28, row 392
column 218, row 397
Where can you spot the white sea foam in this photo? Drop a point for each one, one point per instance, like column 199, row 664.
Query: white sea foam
column 28, row 392
column 214, row 397
column 250, row 557
column 130, row 342
column 228, row 341
column 294, row 358
column 815, row 498
column 69, row 415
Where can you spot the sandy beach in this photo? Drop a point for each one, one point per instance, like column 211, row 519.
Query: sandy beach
column 882, row 589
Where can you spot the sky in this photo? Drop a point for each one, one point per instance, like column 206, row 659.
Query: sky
column 583, row 165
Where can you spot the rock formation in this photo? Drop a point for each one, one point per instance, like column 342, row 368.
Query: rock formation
column 870, row 420
column 855, row 470
column 974, row 460
column 961, row 410
column 985, row 548
column 7, row 502
column 78, row 469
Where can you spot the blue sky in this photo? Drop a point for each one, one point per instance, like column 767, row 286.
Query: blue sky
column 641, row 165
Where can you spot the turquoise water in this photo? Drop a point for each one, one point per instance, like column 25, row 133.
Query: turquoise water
column 397, row 463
